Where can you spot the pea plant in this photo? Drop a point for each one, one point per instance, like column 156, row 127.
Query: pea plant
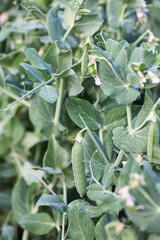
column 80, row 120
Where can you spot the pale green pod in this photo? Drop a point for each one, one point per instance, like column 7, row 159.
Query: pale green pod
column 150, row 141
column 85, row 61
column 78, row 168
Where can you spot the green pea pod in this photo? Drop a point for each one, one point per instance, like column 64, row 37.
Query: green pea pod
column 85, row 61
column 150, row 141
column 78, row 168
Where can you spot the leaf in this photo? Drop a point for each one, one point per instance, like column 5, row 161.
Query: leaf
column 49, row 93
column 115, row 117
column 81, row 226
column 100, row 232
column 114, row 87
column 37, row 61
column 131, row 142
column 85, row 207
column 105, row 200
column 114, row 10
column 145, row 110
column 54, row 26
column 52, row 201
column 61, row 61
column 48, row 170
column 41, row 115
column 39, row 223
column 19, row 199
column 76, row 107
column 69, row 14
column 33, row 74
column 88, row 24
column 93, row 158
column 55, row 157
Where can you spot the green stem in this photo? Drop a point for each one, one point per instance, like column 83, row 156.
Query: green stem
column 147, row 118
column 25, row 235
column 27, row 94
column 29, row 166
column 67, row 33
column 119, row 159
column 64, row 213
column 12, row 95
column 142, row 36
column 59, row 102
column 149, row 199
column 129, row 118
column 95, row 141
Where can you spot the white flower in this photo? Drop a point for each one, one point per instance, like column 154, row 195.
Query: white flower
column 153, row 77
column 78, row 138
column 137, row 180
column 97, row 81
column 125, row 194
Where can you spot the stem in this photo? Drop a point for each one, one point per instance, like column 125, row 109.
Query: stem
column 29, row 166
column 129, row 118
column 25, row 235
column 95, row 141
column 12, row 95
column 119, row 159
column 25, row 95
column 64, row 214
column 59, row 102
column 67, row 33
column 146, row 196
column 147, row 118
column 141, row 37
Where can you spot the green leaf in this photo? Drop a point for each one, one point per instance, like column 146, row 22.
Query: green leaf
column 39, row 223
column 91, row 211
column 81, row 226
column 115, row 117
column 48, row 170
column 55, row 157
column 19, row 199
column 105, row 200
column 93, row 158
column 88, row 24
column 100, row 232
column 49, row 93
column 61, row 61
column 37, row 61
column 41, row 115
column 145, row 110
column 131, row 142
column 33, row 73
column 114, row 87
column 91, row 116
column 52, row 201
column 54, row 26
column 114, row 11
column 69, row 14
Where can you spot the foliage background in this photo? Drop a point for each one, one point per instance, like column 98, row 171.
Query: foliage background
column 30, row 133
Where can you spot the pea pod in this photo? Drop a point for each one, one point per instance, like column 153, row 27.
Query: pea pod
column 78, row 168
column 85, row 61
column 153, row 139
